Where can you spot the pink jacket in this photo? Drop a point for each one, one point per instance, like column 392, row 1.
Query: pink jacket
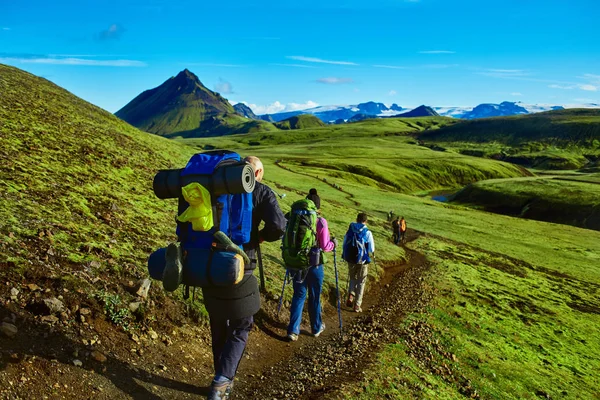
column 323, row 235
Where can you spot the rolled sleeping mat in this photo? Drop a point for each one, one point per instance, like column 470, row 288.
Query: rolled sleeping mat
column 237, row 178
column 200, row 269
column 205, row 267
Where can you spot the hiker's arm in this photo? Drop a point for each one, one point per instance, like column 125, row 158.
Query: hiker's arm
column 273, row 217
column 371, row 241
column 323, row 236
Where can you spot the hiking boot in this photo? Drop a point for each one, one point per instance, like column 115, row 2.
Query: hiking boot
column 357, row 309
column 220, row 391
column 173, row 267
column 292, row 337
column 350, row 301
column 320, row 330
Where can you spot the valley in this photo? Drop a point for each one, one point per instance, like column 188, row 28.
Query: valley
column 476, row 305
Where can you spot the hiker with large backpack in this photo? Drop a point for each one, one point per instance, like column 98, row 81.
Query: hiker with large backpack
column 304, row 242
column 358, row 243
column 396, row 229
column 220, row 211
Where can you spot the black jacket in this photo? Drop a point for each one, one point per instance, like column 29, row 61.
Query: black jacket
column 243, row 300
column 265, row 208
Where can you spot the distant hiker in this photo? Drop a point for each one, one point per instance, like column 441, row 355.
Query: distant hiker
column 396, row 230
column 390, row 216
column 311, row 278
column 358, row 243
column 231, row 310
column 402, row 230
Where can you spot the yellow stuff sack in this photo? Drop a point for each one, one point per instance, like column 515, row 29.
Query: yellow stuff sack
column 199, row 213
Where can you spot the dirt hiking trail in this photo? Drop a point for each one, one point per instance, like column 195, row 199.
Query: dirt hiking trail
column 68, row 359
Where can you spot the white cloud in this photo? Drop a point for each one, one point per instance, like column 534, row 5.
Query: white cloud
column 5, row 29
column 594, row 79
column 588, row 88
column 71, row 61
column 319, row 60
column 114, row 32
column 294, row 65
column 585, row 100
column 437, row 52
column 516, row 94
column 272, row 108
column 223, row 87
column 392, row 93
column 301, row 106
column 277, row 107
column 389, row 66
column 555, row 86
column 334, row 81
column 504, row 73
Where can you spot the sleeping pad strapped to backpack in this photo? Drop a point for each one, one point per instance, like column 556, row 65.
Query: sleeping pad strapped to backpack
column 300, row 249
column 211, row 229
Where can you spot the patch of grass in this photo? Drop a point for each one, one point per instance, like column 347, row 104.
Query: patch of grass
column 115, row 311
column 564, row 199
column 561, row 139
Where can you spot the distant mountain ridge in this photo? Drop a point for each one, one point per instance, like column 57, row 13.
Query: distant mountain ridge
column 245, row 111
column 338, row 113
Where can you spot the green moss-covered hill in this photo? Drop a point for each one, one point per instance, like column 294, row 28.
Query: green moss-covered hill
column 183, row 106
column 571, row 127
column 75, row 203
column 304, row 121
column 560, row 139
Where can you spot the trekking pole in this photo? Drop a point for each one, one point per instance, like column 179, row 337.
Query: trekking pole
column 337, row 286
column 287, row 272
column 260, row 269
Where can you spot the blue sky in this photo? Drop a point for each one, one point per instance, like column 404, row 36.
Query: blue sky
column 283, row 55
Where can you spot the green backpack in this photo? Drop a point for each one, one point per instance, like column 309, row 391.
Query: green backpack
column 300, row 238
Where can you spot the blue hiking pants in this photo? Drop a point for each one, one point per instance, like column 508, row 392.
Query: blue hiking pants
column 313, row 283
column 229, row 339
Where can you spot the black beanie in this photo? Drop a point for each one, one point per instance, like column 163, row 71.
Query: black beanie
column 315, row 199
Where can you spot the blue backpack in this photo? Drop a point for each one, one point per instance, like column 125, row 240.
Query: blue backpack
column 206, row 262
column 356, row 247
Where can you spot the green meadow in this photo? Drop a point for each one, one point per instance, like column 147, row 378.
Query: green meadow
column 514, row 309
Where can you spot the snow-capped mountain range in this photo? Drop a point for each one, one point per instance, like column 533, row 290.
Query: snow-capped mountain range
column 335, row 113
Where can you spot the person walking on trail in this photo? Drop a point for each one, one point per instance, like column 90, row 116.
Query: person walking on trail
column 358, row 243
column 311, row 281
column 396, row 230
column 390, row 216
column 231, row 310
column 402, row 230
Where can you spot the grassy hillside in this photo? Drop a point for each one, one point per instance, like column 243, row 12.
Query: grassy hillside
column 514, row 302
column 561, row 139
column 304, row 121
column 566, row 200
column 376, row 153
column 75, row 180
